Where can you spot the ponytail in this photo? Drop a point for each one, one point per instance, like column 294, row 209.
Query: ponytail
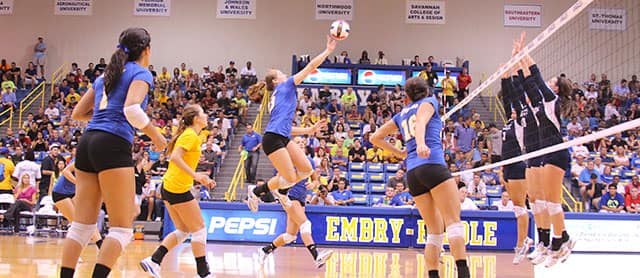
column 114, row 69
column 188, row 115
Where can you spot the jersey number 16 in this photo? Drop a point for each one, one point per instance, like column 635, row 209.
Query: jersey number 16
column 409, row 128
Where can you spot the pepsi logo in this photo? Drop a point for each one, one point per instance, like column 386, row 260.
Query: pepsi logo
column 368, row 76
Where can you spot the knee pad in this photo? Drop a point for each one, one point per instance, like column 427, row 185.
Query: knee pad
column 81, row 233
column 284, row 183
column 304, row 175
column 455, row 230
column 288, row 238
column 199, row 236
column 181, row 236
column 539, row 206
column 122, row 235
column 305, row 228
column 554, row 208
column 435, row 240
column 519, row 211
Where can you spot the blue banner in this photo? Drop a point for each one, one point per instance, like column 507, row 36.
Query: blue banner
column 334, row 76
column 381, row 77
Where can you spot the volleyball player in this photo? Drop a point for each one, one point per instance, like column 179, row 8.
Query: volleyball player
column 62, row 194
column 553, row 101
column 297, row 219
column 514, row 174
column 288, row 159
column 430, row 182
column 114, row 107
column 184, row 150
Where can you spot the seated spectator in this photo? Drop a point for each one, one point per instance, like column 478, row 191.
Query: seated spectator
column 160, row 167
column 364, row 58
column 574, row 128
column 477, row 188
column 343, row 196
column 594, row 191
column 381, row 60
column 612, row 202
column 620, row 159
column 466, row 177
column 248, row 76
column 580, row 150
column 585, row 177
column 30, row 76
column 322, row 197
column 399, row 177
column 8, row 97
column 357, row 153
column 349, row 100
column 148, row 199
column 336, row 176
column 344, row 58
column 489, row 177
column 402, row 197
column 7, row 84
column 52, row 111
column 388, row 199
column 465, row 202
column 375, row 154
column 431, row 61
column 324, row 170
column 389, row 156
column 25, row 198
column 209, row 158
column 505, row 203
column 72, row 98
column 632, row 201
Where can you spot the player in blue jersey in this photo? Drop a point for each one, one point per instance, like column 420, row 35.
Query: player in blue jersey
column 430, row 182
column 114, row 107
column 297, row 219
column 514, row 174
column 553, row 101
column 288, row 159
column 62, row 194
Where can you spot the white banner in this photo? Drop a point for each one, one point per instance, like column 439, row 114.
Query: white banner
column 6, row 7
column 152, row 7
column 425, row 12
column 237, row 9
column 605, row 235
column 522, row 16
column 334, row 9
column 608, row 19
column 73, row 7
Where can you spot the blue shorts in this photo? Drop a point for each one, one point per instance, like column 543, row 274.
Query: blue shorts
column 560, row 159
column 514, row 171
column 298, row 193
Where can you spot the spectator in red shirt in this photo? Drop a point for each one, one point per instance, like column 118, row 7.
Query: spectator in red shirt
column 635, row 183
column 464, row 80
column 632, row 201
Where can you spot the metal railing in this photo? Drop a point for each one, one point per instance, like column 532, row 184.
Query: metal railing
column 239, row 175
column 577, row 205
column 40, row 92
column 8, row 119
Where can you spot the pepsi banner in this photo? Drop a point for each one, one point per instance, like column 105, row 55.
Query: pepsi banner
column 374, row 77
column 243, row 225
column 333, row 76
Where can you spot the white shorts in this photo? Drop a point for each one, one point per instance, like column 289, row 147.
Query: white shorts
column 38, row 60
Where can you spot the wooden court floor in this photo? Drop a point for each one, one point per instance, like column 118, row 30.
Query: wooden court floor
column 40, row 257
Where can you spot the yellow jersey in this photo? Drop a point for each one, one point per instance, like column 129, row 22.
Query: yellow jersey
column 175, row 180
column 8, row 170
column 448, row 85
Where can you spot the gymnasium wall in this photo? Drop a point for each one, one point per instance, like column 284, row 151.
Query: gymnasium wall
column 474, row 30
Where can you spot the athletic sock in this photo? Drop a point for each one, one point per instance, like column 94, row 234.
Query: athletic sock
column 158, row 255
column 313, row 250
column 546, row 237
column 434, row 274
column 101, row 271
column 66, row 272
column 556, row 243
column 269, row 248
column 463, row 269
column 565, row 236
column 203, row 267
column 540, row 234
column 99, row 243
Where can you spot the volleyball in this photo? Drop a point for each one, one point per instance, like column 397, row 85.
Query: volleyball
column 339, row 30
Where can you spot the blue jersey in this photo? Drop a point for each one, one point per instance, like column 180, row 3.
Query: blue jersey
column 282, row 105
column 108, row 113
column 64, row 186
column 406, row 121
column 299, row 190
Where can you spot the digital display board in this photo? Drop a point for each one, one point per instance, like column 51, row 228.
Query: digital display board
column 329, row 76
column 372, row 77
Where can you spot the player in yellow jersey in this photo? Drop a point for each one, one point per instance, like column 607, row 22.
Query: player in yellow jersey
column 184, row 210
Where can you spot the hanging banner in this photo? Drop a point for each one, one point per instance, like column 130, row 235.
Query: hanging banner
column 425, row 12
column 152, row 8
column 236, row 9
column 522, row 16
column 608, row 19
column 334, row 9
column 73, row 7
column 6, row 7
